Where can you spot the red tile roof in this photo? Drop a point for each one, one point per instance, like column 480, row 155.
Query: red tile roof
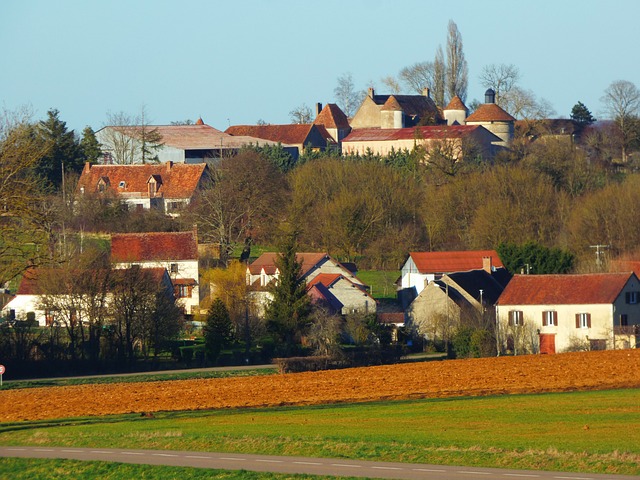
column 599, row 288
column 268, row 261
column 332, row 116
column 449, row 262
column 426, row 133
column 391, row 104
column 290, row 134
column 490, row 112
column 456, row 103
column 179, row 180
column 326, row 279
column 155, row 246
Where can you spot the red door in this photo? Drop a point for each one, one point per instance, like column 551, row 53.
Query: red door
column 548, row 343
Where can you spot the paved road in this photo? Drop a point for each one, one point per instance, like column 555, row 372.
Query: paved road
column 315, row 466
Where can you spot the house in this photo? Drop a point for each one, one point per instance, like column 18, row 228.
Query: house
column 557, row 313
column 198, row 143
column 54, row 297
column 177, row 252
column 329, row 282
column 167, row 187
column 456, row 297
column 424, row 267
column 458, row 140
column 396, row 111
column 333, row 119
column 492, row 117
column 353, row 297
column 299, row 136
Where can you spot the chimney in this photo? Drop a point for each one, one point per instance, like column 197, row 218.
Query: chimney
column 487, row 265
column 426, row 92
column 371, row 92
column 318, row 108
column 169, row 165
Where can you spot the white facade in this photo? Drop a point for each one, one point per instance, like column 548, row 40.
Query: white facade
column 412, row 278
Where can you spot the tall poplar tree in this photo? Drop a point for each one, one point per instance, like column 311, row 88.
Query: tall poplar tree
column 457, row 69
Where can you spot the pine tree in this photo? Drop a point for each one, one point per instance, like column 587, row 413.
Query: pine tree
column 218, row 331
column 581, row 115
column 287, row 313
column 90, row 146
column 64, row 151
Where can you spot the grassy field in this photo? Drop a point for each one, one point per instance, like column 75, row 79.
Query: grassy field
column 584, row 431
column 39, row 469
column 381, row 282
column 142, row 377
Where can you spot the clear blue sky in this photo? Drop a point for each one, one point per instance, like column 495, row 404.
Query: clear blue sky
column 235, row 62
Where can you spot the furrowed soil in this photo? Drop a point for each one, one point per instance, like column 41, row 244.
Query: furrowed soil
column 475, row 377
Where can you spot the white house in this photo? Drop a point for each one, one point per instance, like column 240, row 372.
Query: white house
column 567, row 312
column 177, row 252
column 424, row 267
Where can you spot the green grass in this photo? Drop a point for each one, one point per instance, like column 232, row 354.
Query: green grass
column 43, row 469
column 381, row 282
column 142, row 377
column 584, row 431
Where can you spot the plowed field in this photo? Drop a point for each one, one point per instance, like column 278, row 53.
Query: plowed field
column 486, row 376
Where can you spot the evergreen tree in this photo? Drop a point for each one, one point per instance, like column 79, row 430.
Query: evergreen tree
column 287, row 313
column 90, row 146
column 534, row 258
column 218, row 331
column 581, row 115
column 63, row 150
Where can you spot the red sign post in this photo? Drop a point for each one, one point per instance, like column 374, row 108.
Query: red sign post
column 1, row 373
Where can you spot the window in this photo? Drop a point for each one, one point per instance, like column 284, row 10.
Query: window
column 631, row 297
column 515, row 318
column 183, row 291
column 624, row 320
column 583, row 320
column 122, row 184
column 152, row 189
column 550, row 318
column 173, row 268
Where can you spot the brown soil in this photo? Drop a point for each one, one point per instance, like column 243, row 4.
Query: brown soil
column 476, row 377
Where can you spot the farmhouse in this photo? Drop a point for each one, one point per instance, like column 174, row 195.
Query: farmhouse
column 299, row 136
column 177, row 252
column 166, row 187
column 568, row 312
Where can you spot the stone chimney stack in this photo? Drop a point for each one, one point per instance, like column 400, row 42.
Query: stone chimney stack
column 371, row 92
column 426, row 92
column 318, row 108
column 169, row 165
column 487, row 264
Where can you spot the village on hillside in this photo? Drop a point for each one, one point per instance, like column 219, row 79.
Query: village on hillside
column 406, row 227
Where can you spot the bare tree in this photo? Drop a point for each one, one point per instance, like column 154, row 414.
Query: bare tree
column 501, row 78
column 523, row 104
column 439, row 77
column 301, row 114
column 418, row 76
column 347, row 97
column 392, row 83
column 457, row 69
column 622, row 104
column 131, row 139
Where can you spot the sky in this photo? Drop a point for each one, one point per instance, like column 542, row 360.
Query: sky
column 242, row 61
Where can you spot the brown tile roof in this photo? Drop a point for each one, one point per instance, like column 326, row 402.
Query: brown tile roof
column 179, row 180
column 326, row 279
column 599, row 288
column 290, row 134
column 332, row 116
column 449, row 262
column 490, row 112
column 456, row 103
column 426, row 133
column 391, row 104
column 391, row 318
column 154, row 246
column 267, row 261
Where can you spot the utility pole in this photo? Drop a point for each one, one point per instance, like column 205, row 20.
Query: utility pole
column 599, row 251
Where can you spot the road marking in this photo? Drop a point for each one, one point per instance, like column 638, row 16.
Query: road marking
column 473, row 473
column 307, row 463
column 197, row 456
column 428, row 470
column 16, row 449
column 43, row 450
column 345, row 465
column 131, row 453
column 388, row 468
column 100, row 451
column 164, row 455
column 575, row 478
column 71, row 451
column 270, row 461
column 520, row 475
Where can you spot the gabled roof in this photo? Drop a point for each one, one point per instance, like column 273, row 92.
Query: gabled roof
column 434, row 132
column 291, row 134
column 179, row 180
column 391, row 104
column 154, row 246
column 598, row 288
column 411, row 105
column 268, row 261
column 458, row 261
column 321, row 294
column 326, row 279
column 473, row 281
column 332, row 116
column 490, row 112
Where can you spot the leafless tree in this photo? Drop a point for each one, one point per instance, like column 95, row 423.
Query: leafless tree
column 301, row 114
column 418, row 76
column 457, row 69
column 621, row 102
column 501, row 78
column 439, row 78
column 131, row 139
column 346, row 95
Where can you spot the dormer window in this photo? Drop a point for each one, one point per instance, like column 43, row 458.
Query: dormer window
column 122, row 184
